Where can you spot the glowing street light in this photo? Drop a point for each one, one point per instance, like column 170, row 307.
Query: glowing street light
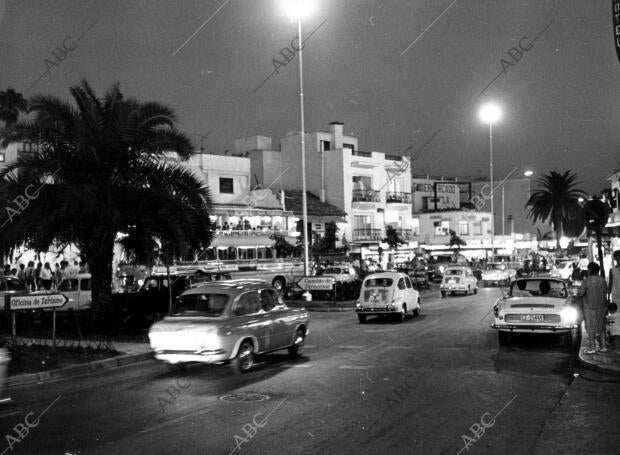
column 528, row 173
column 491, row 113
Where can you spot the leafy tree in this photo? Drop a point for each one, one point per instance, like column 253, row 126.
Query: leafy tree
column 392, row 238
column 455, row 240
column 556, row 201
column 99, row 172
column 11, row 104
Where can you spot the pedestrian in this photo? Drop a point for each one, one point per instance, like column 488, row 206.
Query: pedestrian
column 613, row 288
column 593, row 293
column 21, row 273
column 583, row 266
column 46, row 276
column 30, row 283
column 37, row 275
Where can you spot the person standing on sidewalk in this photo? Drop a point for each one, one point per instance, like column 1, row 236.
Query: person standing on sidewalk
column 593, row 292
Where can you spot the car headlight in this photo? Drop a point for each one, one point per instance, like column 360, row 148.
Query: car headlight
column 569, row 315
column 441, row 269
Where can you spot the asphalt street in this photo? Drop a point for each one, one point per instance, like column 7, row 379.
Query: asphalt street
column 436, row 384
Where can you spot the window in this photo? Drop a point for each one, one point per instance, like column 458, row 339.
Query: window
column 362, row 222
column 248, row 303
column 226, row 185
column 362, row 182
column 407, row 282
column 463, row 228
column 68, row 285
column 210, row 305
column 85, row 284
column 441, row 227
column 478, row 228
column 348, row 147
column 415, row 226
column 401, row 284
column 325, row 146
column 268, row 299
column 1, row 157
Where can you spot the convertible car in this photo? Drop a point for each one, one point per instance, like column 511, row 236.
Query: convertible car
column 533, row 305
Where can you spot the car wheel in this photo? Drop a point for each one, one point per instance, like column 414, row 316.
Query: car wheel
column 416, row 312
column 570, row 339
column 504, row 338
column 244, row 360
column 468, row 292
column 361, row 318
column 443, row 293
column 297, row 348
column 476, row 290
column 279, row 283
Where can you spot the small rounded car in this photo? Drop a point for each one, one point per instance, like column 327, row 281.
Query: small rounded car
column 537, row 305
column 229, row 322
column 458, row 279
column 498, row 273
column 341, row 273
column 387, row 294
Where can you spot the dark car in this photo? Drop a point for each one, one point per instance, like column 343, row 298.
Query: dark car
column 152, row 301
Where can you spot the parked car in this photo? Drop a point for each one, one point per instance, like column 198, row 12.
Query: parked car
column 387, row 293
column 458, row 279
column 542, row 305
column 342, row 274
column 78, row 291
column 229, row 322
column 498, row 273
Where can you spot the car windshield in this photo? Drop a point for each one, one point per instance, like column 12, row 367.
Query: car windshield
column 207, row 304
column 333, row 270
column 454, row 272
column 538, row 287
column 379, row 283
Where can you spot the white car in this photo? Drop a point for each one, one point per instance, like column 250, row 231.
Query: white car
column 458, row 279
column 498, row 273
column 387, row 293
column 541, row 305
column 342, row 274
column 564, row 270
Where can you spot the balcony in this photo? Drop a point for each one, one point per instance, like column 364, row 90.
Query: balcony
column 366, row 234
column 404, row 234
column 366, row 196
column 397, row 198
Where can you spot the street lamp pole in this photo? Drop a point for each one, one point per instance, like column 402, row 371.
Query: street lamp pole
column 304, row 202
column 492, row 189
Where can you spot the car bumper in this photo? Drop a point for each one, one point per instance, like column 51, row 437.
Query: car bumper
column 171, row 356
column 377, row 310
column 453, row 287
column 529, row 328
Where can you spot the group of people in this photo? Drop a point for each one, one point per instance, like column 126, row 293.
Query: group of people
column 597, row 298
column 42, row 276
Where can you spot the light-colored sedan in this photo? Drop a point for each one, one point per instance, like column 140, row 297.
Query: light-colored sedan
column 458, row 279
column 564, row 270
column 541, row 305
column 229, row 322
column 387, row 293
column 498, row 273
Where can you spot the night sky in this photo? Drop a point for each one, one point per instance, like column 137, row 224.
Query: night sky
column 560, row 99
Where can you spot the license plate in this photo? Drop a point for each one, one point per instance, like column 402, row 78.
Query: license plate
column 532, row 317
column 452, row 281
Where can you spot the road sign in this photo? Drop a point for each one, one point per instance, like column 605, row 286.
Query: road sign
column 37, row 301
column 315, row 283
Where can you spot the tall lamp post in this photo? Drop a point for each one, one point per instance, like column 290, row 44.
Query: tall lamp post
column 299, row 9
column 491, row 113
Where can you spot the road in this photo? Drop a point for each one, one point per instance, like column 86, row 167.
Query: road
column 436, row 384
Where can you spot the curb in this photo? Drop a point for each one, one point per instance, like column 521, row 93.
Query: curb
column 76, row 370
column 588, row 363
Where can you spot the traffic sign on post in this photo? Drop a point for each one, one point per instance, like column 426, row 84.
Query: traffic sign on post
column 315, row 283
column 37, row 301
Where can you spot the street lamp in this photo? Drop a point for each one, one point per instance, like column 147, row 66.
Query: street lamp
column 491, row 113
column 299, row 9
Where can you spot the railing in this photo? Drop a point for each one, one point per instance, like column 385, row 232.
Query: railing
column 364, row 154
column 393, row 157
column 366, row 196
column 259, row 231
column 366, row 234
column 398, row 198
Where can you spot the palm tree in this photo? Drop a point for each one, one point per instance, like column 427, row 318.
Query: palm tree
column 11, row 104
column 555, row 201
column 99, row 172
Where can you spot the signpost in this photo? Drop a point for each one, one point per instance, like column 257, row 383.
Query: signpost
column 315, row 283
column 37, row 302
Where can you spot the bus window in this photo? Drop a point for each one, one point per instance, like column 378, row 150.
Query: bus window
column 269, row 253
column 211, row 254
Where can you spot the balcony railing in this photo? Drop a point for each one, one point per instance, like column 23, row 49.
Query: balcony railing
column 366, row 196
column 362, row 154
column 366, row 234
column 398, row 198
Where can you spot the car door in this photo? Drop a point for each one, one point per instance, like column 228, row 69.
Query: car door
column 249, row 320
column 279, row 324
column 410, row 296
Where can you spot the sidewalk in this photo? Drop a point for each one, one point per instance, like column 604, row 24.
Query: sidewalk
column 130, row 353
column 607, row 362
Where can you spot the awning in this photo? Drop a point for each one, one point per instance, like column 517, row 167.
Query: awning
column 244, row 210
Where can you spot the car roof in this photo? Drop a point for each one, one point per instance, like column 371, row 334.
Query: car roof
column 385, row 275
column 229, row 286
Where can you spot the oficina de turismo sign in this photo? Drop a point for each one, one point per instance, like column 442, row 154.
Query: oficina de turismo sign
column 29, row 302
